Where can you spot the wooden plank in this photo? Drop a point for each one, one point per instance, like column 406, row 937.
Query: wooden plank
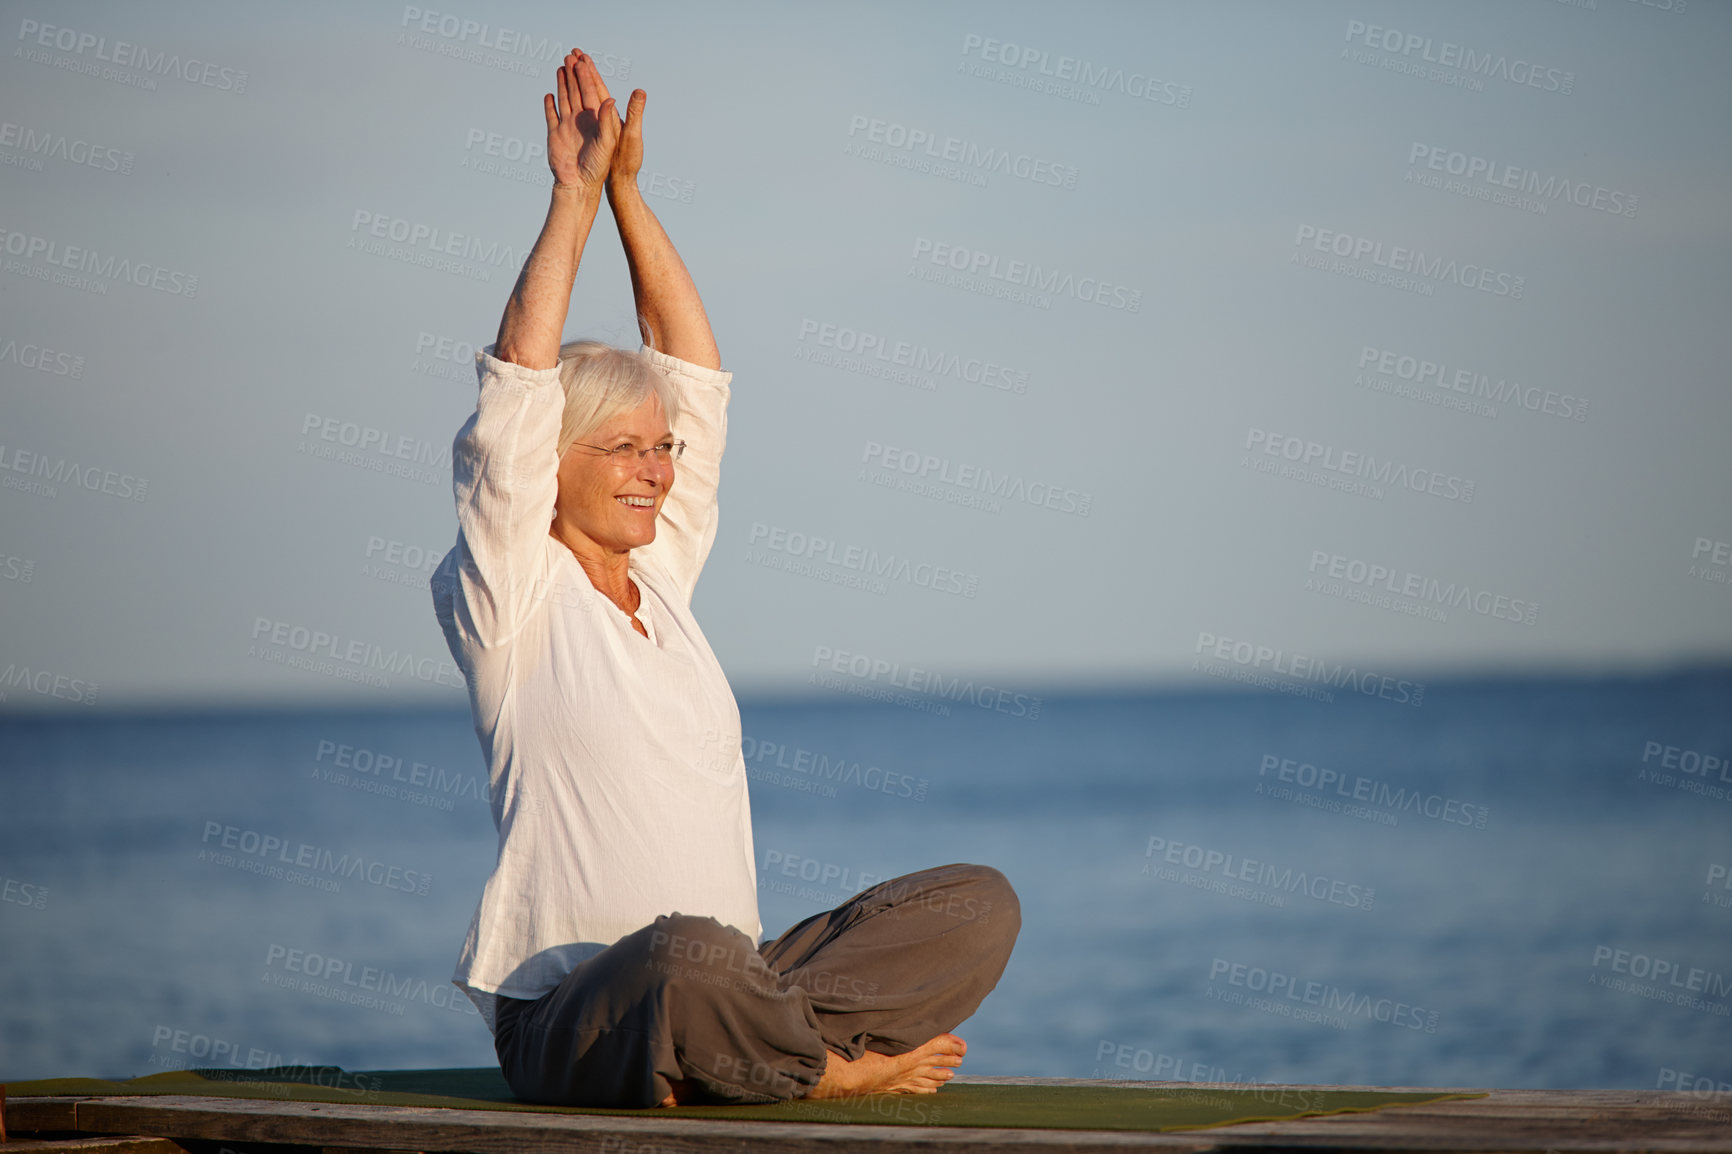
column 106, row 1144
column 1534, row 1121
column 1512, row 1120
column 498, row 1132
column 40, row 1114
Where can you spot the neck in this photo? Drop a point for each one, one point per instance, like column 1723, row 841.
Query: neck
column 608, row 569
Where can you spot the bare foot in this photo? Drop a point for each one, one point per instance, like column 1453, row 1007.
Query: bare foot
column 683, row 1093
column 920, row 1071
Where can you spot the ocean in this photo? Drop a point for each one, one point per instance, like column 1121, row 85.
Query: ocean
column 1511, row 883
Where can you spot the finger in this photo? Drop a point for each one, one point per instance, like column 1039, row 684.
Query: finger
column 558, row 92
column 595, row 75
column 634, row 114
column 547, row 107
column 573, row 95
column 607, row 118
column 587, row 81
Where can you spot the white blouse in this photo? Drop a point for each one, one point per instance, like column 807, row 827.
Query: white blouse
column 618, row 784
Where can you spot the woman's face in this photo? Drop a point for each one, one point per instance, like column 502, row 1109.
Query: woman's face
column 613, row 501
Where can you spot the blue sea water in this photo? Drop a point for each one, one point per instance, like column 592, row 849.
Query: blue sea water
column 1517, row 883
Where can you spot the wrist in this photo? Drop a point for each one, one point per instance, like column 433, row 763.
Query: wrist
column 576, row 190
column 622, row 186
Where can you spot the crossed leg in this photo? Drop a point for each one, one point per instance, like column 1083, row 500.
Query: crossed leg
column 855, row 1000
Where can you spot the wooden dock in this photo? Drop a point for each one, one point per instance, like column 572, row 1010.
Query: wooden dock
column 1540, row 1121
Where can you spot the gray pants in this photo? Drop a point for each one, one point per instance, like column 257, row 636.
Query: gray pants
column 689, row 998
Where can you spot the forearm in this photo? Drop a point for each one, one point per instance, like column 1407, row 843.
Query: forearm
column 667, row 300
column 533, row 326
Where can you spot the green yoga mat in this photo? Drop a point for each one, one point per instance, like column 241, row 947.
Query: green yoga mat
column 1041, row 1107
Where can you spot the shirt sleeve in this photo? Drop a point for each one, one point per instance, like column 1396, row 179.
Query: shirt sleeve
column 505, row 476
column 686, row 528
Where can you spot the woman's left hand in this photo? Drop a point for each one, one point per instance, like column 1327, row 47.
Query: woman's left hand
column 628, row 153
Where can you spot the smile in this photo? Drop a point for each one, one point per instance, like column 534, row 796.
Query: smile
column 638, row 502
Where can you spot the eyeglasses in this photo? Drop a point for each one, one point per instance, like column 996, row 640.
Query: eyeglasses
column 626, row 455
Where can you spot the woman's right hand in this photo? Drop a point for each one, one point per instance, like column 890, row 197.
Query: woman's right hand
column 583, row 128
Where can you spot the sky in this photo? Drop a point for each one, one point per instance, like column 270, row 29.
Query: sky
column 1131, row 345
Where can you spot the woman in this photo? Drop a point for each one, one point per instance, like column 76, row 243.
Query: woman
column 614, row 951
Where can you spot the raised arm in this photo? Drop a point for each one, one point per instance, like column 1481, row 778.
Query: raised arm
column 668, row 307
column 504, row 459
column 583, row 130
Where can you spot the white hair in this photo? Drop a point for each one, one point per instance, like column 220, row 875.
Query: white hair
column 601, row 382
